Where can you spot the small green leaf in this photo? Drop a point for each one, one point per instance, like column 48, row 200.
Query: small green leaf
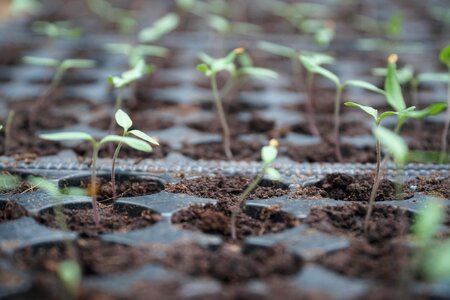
column 268, row 154
column 123, row 120
column 433, row 77
column 69, row 272
column 132, row 142
column 272, row 174
column 319, row 58
column 367, row 109
column 203, row 68
column 161, row 27
column 364, row 85
column 8, row 182
column 205, row 58
column 428, row 221
column 70, row 135
column 219, row 24
column 277, row 49
column 310, row 64
column 258, row 72
column 444, row 56
column 431, row 110
column 385, row 115
column 130, row 76
column 41, row 61
column 144, row 136
column 394, row 95
column 393, row 143
column 78, row 63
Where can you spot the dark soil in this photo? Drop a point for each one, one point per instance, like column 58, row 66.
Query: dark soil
column 82, row 221
column 326, row 126
column 256, row 124
column 132, row 187
column 214, row 151
column 345, row 187
column 10, row 210
column 231, row 264
column 95, row 257
column 438, row 187
column 324, row 152
column 386, row 223
column 226, row 188
column 216, row 219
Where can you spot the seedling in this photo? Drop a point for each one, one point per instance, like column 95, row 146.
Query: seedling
column 123, row 18
column 127, row 78
column 8, row 181
column 444, row 56
column 432, row 257
column 312, row 67
column 125, row 122
column 69, row 271
column 211, row 67
column 160, row 28
column 226, row 28
column 96, row 145
column 268, row 154
column 138, row 52
column 55, row 30
column 60, row 66
column 294, row 56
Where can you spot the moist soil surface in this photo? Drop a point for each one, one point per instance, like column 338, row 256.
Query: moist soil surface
column 82, row 221
column 346, row 187
column 10, row 210
column 94, row 256
column 324, row 152
column 231, row 264
column 249, row 151
column 131, row 187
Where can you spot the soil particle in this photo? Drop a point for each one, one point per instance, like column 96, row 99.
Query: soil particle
column 438, row 187
column 94, row 256
column 386, row 222
column 216, row 219
column 232, row 264
column 10, row 210
column 82, row 220
column 345, row 187
column 227, row 188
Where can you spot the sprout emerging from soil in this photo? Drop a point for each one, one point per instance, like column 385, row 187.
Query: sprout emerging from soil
column 445, row 58
column 124, row 121
column 211, row 67
column 60, row 69
column 312, row 67
column 268, row 154
column 96, row 145
column 432, row 256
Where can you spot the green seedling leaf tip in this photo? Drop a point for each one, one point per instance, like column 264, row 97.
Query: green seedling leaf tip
column 123, row 120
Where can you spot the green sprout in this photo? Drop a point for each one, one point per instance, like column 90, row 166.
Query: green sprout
column 96, row 145
column 55, row 30
column 60, row 66
column 268, row 154
column 7, row 181
column 160, row 28
column 124, row 121
column 24, row 7
column 312, row 67
column 123, row 18
column 69, row 271
column 432, row 257
column 294, row 56
column 226, row 28
column 211, row 67
column 444, row 56
column 138, row 52
column 186, row 5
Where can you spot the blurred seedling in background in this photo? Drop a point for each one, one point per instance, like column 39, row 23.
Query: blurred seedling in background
column 444, row 56
column 68, row 271
column 96, row 145
column 124, row 121
column 61, row 67
column 268, row 155
column 124, row 19
column 432, row 255
column 20, row 8
column 56, row 30
column 127, row 79
column 211, row 67
column 313, row 67
column 8, row 132
column 298, row 77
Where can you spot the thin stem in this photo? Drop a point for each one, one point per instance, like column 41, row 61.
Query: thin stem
column 447, row 124
column 337, row 120
column 93, row 188
column 375, row 186
column 113, row 171
column 241, row 201
column 112, row 123
column 8, row 129
column 310, row 112
column 222, row 118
